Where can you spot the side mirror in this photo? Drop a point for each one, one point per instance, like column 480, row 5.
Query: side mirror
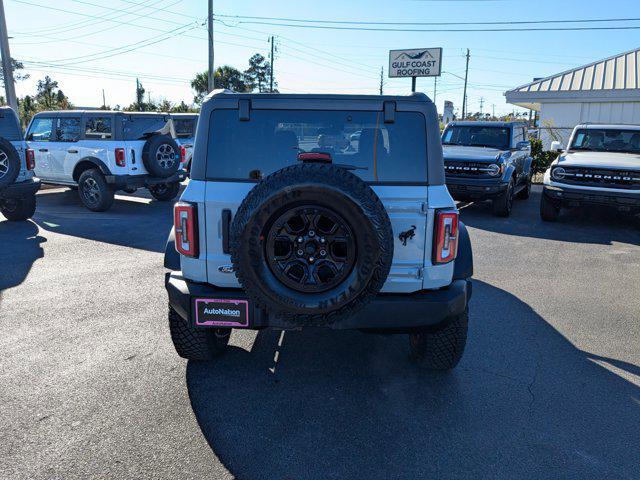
column 556, row 146
column 523, row 145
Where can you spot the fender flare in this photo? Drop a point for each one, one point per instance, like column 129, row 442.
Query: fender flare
column 528, row 165
column 171, row 255
column 463, row 265
column 95, row 161
column 509, row 173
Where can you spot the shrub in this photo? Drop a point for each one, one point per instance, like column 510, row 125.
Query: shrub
column 541, row 159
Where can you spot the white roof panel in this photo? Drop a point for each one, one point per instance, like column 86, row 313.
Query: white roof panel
column 616, row 77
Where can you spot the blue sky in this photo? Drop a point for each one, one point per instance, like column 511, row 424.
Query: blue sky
column 89, row 45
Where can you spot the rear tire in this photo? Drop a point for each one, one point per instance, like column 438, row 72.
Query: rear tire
column 9, row 163
column 443, row 349
column 94, row 191
column 163, row 192
column 161, row 156
column 503, row 204
column 549, row 211
column 196, row 344
column 19, row 209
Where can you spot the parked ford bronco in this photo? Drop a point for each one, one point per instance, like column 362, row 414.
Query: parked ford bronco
column 488, row 161
column 18, row 187
column 185, row 127
column 289, row 221
column 101, row 152
column 600, row 167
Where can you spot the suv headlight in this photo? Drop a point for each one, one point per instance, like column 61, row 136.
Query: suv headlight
column 494, row 170
column 558, row 173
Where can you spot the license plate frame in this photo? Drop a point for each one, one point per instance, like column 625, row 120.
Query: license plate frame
column 221, row 312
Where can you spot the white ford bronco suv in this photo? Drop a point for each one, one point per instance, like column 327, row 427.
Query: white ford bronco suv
column 488, row 161
column 18, row 186
column 290, row 221
column 185, row 127
column 100, row 152
column 601, row 166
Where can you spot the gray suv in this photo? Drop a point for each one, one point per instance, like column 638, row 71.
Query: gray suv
column 291, row 221
column 488, row 161
column 18, row 186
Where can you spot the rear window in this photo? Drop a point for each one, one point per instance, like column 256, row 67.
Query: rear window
column 98, row 128
column 185, row 127
column 272, row 139
column 139, row 127
column 9, row 128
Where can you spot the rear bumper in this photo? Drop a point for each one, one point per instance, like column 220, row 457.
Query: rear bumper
column 121, row 182
column 21, row 190
column 474, row 188
column 385, row 312
column 569, row 196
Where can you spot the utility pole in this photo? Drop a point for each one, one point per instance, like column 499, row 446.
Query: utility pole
column 210, row 82
column 104, row 101
column 435, row 88
column 464, row 96
column 272, row 62
column 381, row 80
column 481, row 105
column 7, row 70
column 493, row 110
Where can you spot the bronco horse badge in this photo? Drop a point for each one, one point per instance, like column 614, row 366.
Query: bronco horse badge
column 408, row 235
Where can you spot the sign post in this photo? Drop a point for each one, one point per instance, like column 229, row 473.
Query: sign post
column 416, row 62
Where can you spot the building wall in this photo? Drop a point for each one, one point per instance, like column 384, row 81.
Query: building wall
column 558, row 119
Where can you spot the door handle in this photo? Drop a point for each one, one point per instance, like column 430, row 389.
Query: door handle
column 43, row 150
column 226, row 223
column 72, row 151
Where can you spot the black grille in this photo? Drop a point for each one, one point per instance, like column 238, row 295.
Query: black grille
column 466, row 169
column 600, row 177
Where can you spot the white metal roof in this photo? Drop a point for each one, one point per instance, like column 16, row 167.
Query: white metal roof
column 615, row 78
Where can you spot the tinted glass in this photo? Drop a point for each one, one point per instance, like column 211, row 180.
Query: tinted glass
column 602, row 140
column 69, row 129
column 185, row 127
column 98, row 128
column 478, row 136
column 9, row 128
column 272, row 139
column 139, row 127
column 40, row 129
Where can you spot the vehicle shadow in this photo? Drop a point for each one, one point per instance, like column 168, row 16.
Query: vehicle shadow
column 135, row 220
column 597, row 225
column 20, row 248
column 523, row 403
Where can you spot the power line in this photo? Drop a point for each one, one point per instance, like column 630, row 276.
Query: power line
column 353, row 22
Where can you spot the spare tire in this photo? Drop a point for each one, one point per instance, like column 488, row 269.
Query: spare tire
column 9, row 163
column 311, row 244
column 161, row 156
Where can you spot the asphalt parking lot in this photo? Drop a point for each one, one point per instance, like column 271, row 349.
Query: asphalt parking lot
column 91, row 387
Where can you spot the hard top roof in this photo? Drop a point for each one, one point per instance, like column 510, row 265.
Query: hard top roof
column 414, row 97
column 486, row 124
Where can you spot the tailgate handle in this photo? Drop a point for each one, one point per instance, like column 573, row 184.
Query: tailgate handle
column 226, row 223
column 43, row 149
column 72, row 151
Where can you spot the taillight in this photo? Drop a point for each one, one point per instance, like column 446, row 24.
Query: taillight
column 186, row 229
column 183, row 154
column 31, row 159
column 121, row 161
column 446, row 236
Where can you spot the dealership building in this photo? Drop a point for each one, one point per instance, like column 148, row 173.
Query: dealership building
column 606, row 91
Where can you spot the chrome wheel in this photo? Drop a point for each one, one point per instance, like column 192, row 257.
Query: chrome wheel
column 4, row 163
column 166, row 156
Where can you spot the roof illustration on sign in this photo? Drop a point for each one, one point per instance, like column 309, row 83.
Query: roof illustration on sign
column 616, row 78
column 415, row 56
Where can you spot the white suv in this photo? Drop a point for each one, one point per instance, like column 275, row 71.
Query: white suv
column 601, row 166
column 101, row 152
column 18, row 187
column 185, row 127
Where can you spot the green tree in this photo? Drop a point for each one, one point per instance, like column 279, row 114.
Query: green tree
column 224, row 77
column 49, row 96
column 258, row 73
column 140, row 105
column 16, row 67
